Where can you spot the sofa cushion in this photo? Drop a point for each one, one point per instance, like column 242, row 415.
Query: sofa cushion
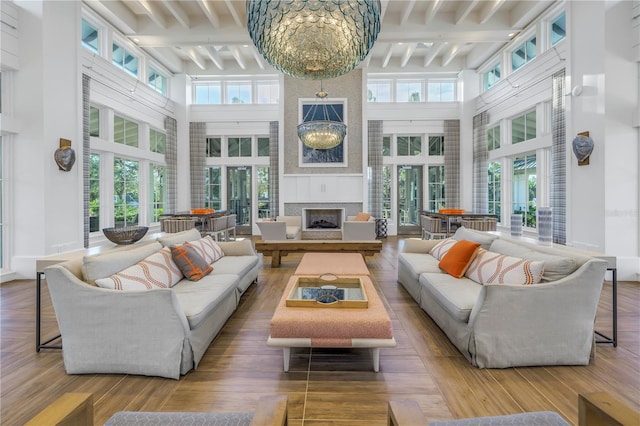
column 439, row 250
column 105, row 264
column 456, row 295
column 179, row 237
column 459, row 257
column 208, row 249
column 495, row 268
column 419, row 263
column 484, row 238
column 239, row 265
column 292, row 232
column 199, row 299
column 192, row 265
column 555, row 267
column 156, row 271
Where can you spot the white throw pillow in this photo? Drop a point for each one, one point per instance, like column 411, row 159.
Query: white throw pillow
column 208, row 249
column 495, row 268
column 439, row 250
column 156, row 271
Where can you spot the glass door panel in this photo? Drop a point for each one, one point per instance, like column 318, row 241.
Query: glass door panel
column 409, row 199
column 239, row 197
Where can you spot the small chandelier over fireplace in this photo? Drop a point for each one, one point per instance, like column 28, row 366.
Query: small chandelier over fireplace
column 320, row 132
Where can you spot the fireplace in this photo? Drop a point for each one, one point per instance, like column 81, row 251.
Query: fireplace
column 322, row 219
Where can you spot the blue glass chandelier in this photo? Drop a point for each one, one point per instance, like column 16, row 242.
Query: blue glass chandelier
column 314, row 39
column 321, row 132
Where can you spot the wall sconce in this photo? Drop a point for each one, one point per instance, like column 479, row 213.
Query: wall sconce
column 65, row 156
column 582, row 148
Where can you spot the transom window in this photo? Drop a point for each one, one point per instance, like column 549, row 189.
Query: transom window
column 239, row 147
column 493, row 138
column 263, row 147
column 409, row 145
column 523, row 127
column 491, row 77
column 210, row 93
column 214, row 147
column 409, row 91
column 436, row 145
column 379, row 91
column 94, row 122
column 238, row 92
column 157, row 142
column 157, row 81
column 124, row 59
column 558, row 29
column 89, row 36
column 267, row 92
column 386, row 146
column 523, row 53
column 441, row 91
column 125, row 131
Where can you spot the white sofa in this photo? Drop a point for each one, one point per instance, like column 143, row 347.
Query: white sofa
column 162, row 332
column 283, row 228
column 508, row 325
column 357, row 230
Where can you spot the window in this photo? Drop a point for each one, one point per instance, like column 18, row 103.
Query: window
column 491, row 77
column 94, row 122
column 238, row 92
column 157, row 81
column 558, row 29
column 379, row 91
column 157, row 142
column 436, row 145
column 523, row 127
column 239, row 147
column 89, row 36
column 436, row 188
column 210, row 93
column 386, row 146
column 212, row 188
column 386, row 192
column 1, row 204
column 125, row 131
column 267, row 92
column 409, row 91
column 494, row 178
column 263, row 192
column 122, row 58
column 493, row 138
column 263, row 147
column 94, row 192
column 158, row 191
column 214, row 147
column 441, row 91
column 125, row 192
column 409, row 145
column 523, row 54
column 524, row 189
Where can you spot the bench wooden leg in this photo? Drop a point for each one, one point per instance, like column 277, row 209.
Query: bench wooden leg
column 275, row 258
column 286, row 355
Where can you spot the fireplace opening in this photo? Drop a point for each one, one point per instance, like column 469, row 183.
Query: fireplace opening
column 321, row 219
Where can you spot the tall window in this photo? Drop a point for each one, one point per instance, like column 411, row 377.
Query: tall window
column 409, row 145
column 157, row 81
column 436, row 188
column 379, row 91
column 94, row 122
column 523, row 127
column 436, row 145
column 386, row 192
column 125, row 131
column 386, row 146
column 239, row 147
column 523, row 53
column 263, row 147
column 214, row 147
column 1, row 204
column 124, row 59
column 238, row 92
column 94, row 192
column 494, row 171
column 208, row 93
column 409, row 91
column 441, row 91
column 491, row 77
column 158, row 191
column 264, row 209
column 157, row 142
column 212, row 188
column 558, row 29
column 89, row 36
column 267, row 92
column 524, row 188
column 125, row 192
column 493, row 138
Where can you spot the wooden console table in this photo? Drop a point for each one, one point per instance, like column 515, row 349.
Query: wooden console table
column 277, row 249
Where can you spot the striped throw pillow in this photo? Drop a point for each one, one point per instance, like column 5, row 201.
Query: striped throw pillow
column 494, row 268
column 439, row 250
column 156, row 271
column 208, row 249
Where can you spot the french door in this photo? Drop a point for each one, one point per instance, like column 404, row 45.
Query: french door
column 410, row 195
column 239, row 197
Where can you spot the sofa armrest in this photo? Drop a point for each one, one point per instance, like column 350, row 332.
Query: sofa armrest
column 237, row 248
column 413, row 245
column 113, row 331
column 358, row 230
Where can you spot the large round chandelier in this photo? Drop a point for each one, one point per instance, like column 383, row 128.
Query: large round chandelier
column 321, row 132
column 314, row 39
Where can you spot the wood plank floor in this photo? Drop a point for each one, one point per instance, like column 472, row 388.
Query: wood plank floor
column 325, row 387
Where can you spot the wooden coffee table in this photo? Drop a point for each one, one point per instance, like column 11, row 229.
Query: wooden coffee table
column 332, row 327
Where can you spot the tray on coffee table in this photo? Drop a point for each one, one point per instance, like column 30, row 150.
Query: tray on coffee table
column 327, row 292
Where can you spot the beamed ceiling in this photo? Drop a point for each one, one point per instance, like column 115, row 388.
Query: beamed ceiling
column 209, row 37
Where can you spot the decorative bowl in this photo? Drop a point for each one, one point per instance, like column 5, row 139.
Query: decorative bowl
column 125, row 235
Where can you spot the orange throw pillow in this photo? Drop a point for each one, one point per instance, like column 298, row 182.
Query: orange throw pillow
column 459, row 257
column 362, row 217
